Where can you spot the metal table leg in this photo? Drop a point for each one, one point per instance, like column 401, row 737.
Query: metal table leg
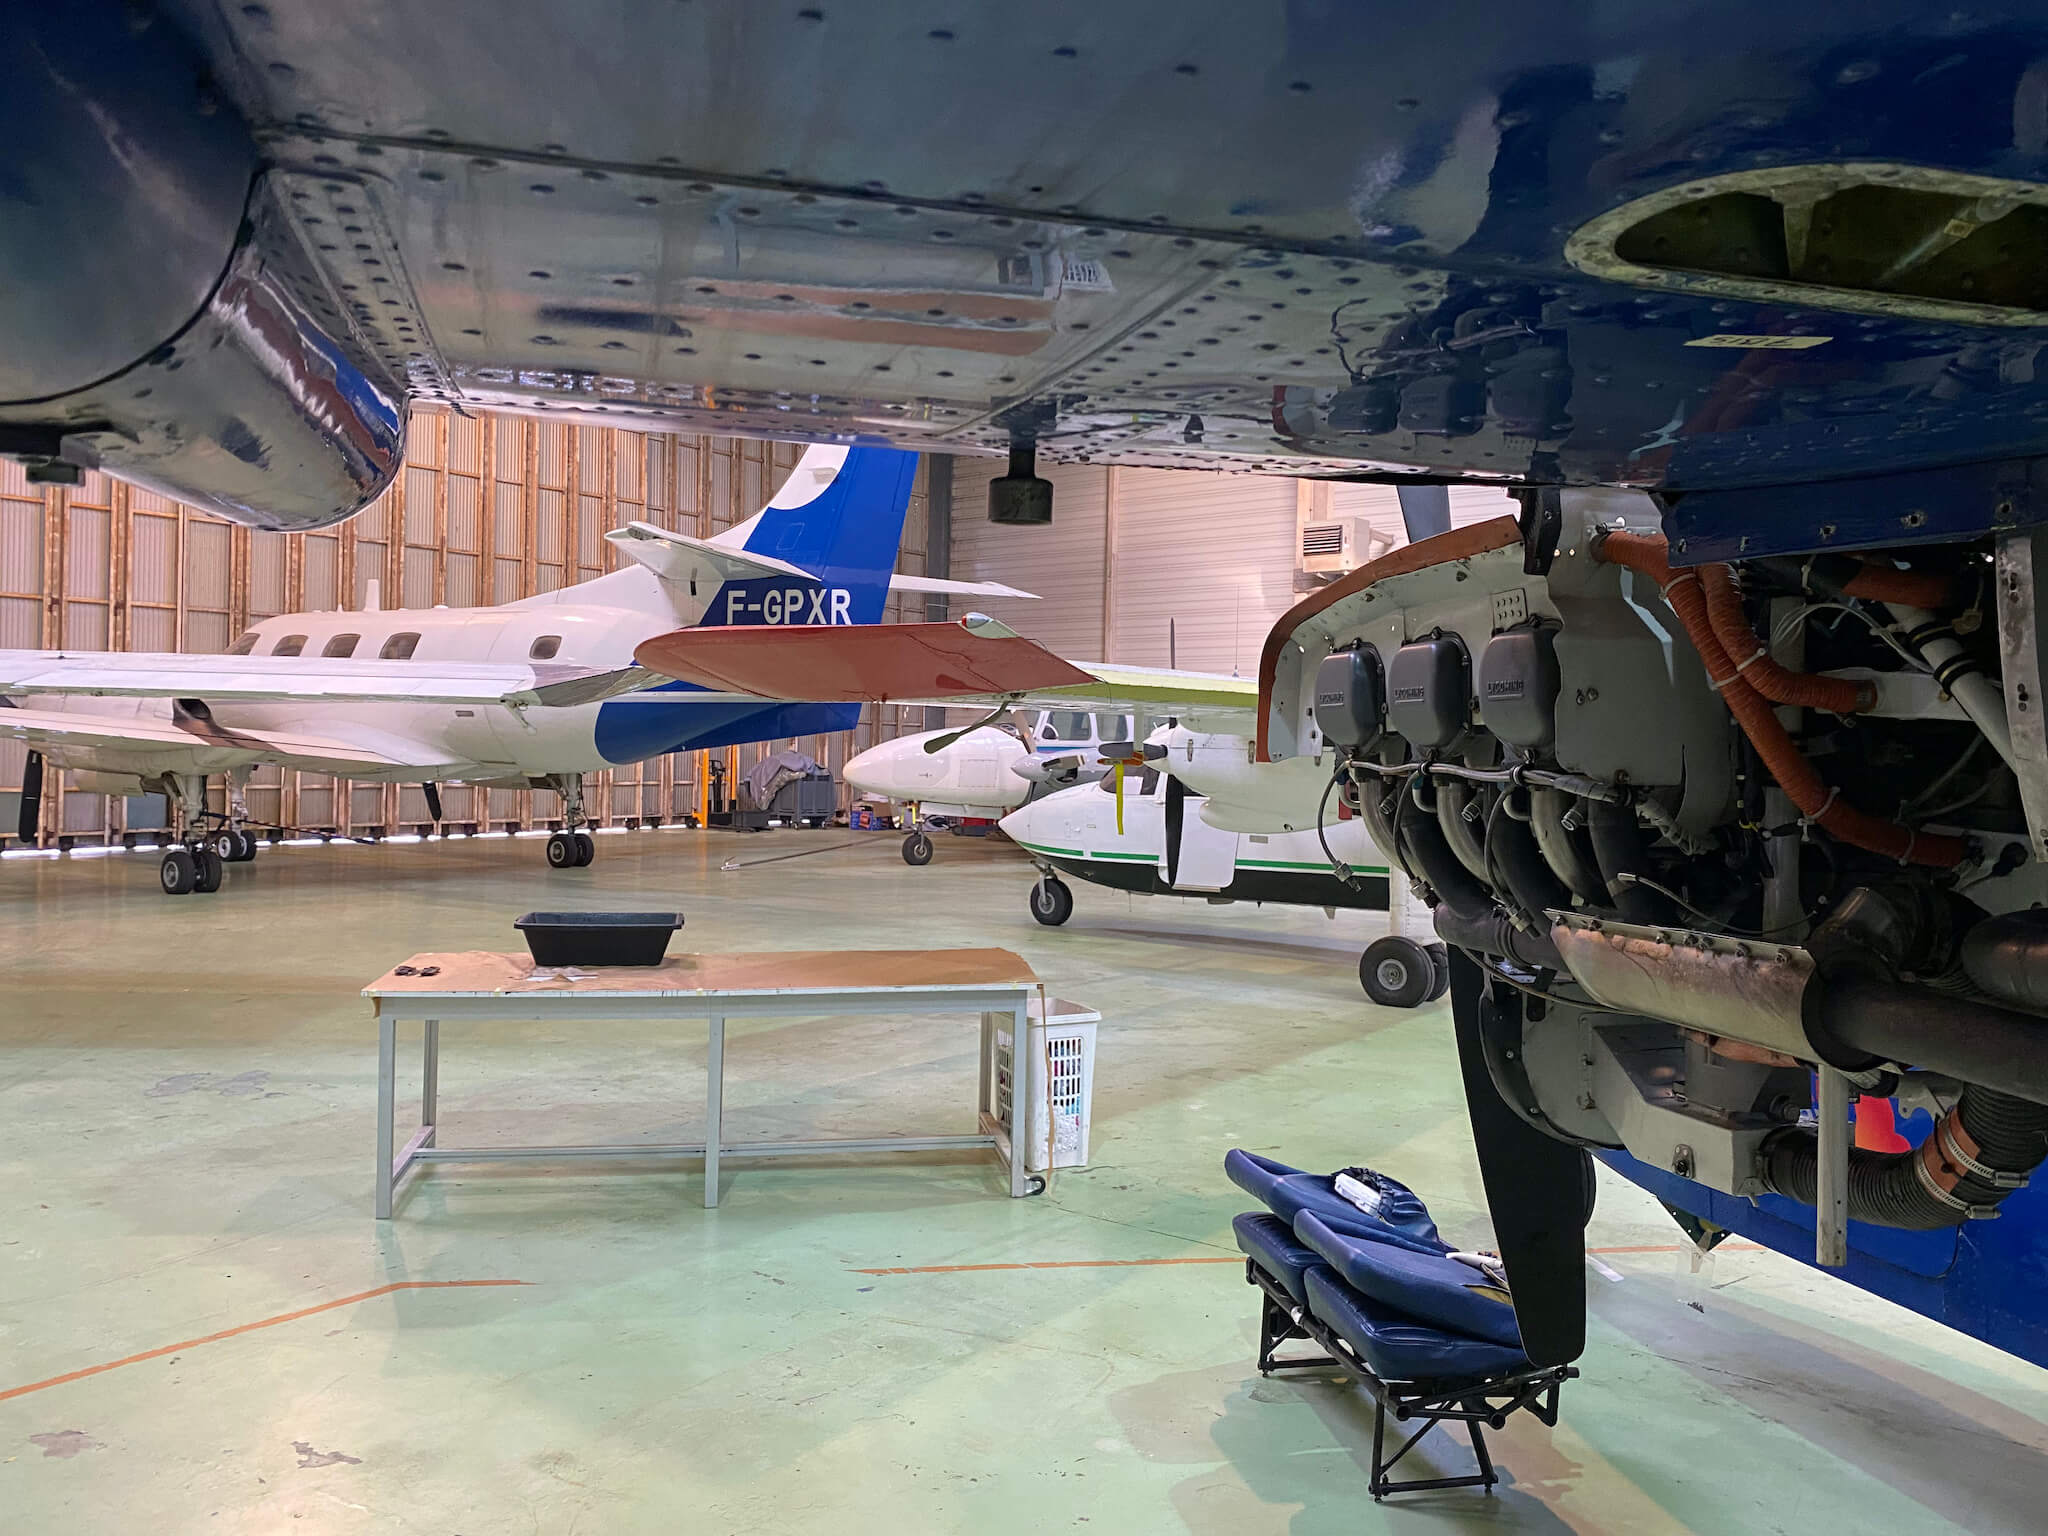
column 430, row 1077
column 1020, row 1107
column 985, row 1102
column 714, row 1108
column 387, row 1071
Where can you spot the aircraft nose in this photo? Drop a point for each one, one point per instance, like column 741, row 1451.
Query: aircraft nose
column 877, row 770
column 1017, row 825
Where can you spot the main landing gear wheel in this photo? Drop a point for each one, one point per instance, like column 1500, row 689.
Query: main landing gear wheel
column 1399, row 972
column 206, row 871
column 586, row 850
column 179, row 874
column 231, row 845
column 1051, row 902
column 917, row 849
column 563, row 851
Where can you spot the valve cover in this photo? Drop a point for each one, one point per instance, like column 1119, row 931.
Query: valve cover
column 1429, row 691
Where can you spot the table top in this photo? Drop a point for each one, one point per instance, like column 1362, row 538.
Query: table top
column 486, row 973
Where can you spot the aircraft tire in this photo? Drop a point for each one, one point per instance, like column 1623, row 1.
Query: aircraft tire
column 586, row 850
column 1052, row 902
column 178, row 873
column 561, row 851
column 206, row 871
column 1441, row 955
column 1398, row 972
column 917, row 850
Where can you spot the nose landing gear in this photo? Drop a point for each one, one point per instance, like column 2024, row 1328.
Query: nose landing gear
column 1400, row 972
column 569, row 848
column 1052, row 901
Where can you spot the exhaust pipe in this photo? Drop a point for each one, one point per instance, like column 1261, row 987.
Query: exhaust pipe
column 1771, row 995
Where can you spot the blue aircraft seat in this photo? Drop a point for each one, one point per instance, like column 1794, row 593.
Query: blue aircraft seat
column 1287, row 1192
column 1431, row 1338
column 1270, row 1244
column 1401, row 1348
column 1428, row 1287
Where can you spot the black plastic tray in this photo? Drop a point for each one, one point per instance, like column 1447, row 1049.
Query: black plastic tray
column 598, row 938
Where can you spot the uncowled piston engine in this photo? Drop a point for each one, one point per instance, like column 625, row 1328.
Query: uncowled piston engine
column 1705, row 832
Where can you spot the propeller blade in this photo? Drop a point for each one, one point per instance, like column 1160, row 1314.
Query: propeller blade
column 1119, row 797
column 940, row 743
column 31, row 798
column 1176, row 819
column 433, row 794
column 1538, row 1191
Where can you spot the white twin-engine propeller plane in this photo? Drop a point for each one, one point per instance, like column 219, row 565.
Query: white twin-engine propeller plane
column 1187, row 813
column 534, row 693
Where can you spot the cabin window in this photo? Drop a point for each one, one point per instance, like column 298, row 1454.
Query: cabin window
column 290, row 645
column 1138, row 782
column 544, row 648
column 340, row 645
column 1065, row 725
column 1113, row 727
column 398, row 648
column 245, row 645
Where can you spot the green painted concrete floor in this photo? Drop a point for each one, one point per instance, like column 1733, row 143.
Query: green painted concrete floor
column 186, row 1113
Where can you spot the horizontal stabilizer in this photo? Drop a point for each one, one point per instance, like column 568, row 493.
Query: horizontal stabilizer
column 866, row 663
column 940, row 586
column 688, row 561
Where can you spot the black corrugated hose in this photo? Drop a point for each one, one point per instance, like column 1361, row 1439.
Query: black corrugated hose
column 2005, row 1137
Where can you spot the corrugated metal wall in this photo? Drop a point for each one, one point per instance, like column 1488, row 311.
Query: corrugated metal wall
column 1063, row 564
column 1131, row 549
column 489, row 508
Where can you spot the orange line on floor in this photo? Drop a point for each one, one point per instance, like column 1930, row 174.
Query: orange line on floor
column 268, row 1322
column 965, row 1269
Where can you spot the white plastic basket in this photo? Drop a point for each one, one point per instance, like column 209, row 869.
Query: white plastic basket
column 1059, row 1082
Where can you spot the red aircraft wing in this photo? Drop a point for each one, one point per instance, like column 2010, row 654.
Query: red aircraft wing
column 865, row 663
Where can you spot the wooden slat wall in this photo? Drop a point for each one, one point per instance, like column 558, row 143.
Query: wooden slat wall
column 489, row 509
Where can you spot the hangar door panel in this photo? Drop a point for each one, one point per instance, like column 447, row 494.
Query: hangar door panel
column 1208, row 557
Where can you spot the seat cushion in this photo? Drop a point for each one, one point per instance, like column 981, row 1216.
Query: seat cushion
column 1287, row 1192
column 1426, row 1286
column 1402, row 1348
column 1270, row 1243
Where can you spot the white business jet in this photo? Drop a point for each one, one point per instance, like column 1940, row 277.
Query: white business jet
column 534, row 693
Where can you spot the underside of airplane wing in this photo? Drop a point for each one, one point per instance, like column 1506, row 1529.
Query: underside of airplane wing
column 943, row 587
column 977, row 662
column 225, row 679
column 196, row 744
column 868, row 663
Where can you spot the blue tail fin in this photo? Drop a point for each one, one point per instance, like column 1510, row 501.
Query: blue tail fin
column 839, row 516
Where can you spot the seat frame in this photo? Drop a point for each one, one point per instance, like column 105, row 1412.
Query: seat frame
column 1469, row 1402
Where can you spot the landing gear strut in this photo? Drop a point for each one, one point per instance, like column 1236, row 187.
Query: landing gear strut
column 569, row 848
column 196, row 866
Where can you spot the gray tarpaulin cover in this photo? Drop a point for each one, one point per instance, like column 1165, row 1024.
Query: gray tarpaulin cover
column 772, row 772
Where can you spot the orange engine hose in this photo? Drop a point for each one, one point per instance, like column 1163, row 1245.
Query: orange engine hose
column 1752, row 659
column 1645, row 553
column 1886, row 584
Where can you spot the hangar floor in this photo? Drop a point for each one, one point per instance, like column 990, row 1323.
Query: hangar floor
column 186, row 1102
